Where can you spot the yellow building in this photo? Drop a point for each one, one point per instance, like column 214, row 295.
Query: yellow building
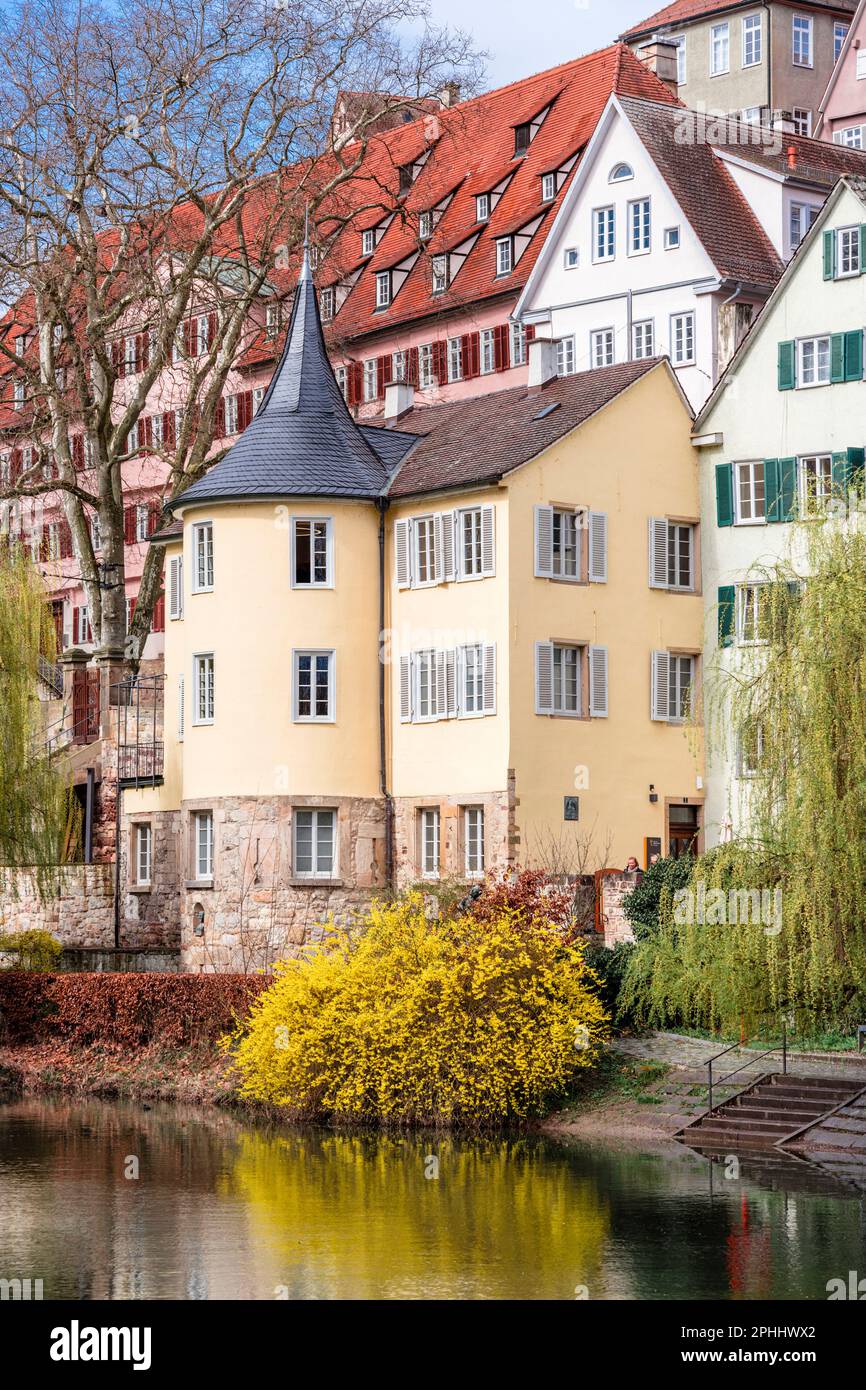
column 463, row 640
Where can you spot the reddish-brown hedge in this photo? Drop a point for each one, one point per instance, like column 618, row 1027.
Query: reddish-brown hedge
column 125, row 1010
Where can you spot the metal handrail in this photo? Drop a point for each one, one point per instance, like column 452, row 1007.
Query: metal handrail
column 783, row 1047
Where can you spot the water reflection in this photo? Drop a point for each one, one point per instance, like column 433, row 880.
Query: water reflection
column 226, row 1209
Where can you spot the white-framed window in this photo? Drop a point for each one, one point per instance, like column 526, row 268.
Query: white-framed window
column 455, row 359
column 720, row 49
column 603, row 234
column 425, row 367
column 429, row 839
column 142, row 521
column 342, row 378
column 800, row 219
column 672, row 238
column 487, row 353
column 95, row 532
column 601, row 347
column 639, row 227
column 566, row 692
column 202, row 557
column 504, row 256
column 181, row 708
column 679, row 42
column 482, row 207
column 571, row 258
column 470, row 552
column 683, row 339
column 548, row 188
column 313, row 686
column 566, row 544
column 681, row 675
column 203, row 686
column 860, row 64
column 439, row 268
column 399, row 365
column 19, row 392
column 371, row 379
column 802, row 41
column 671, row 554
column 751, row 115
column 840, row 33
column 816, row 482
column 430, row 694
column 202, row 334
column 473, row 840
column 143, row 854
column 620, row 173
column 84, row 634
column 750, row 497
column 813, row 361
column 383, row 289
column 314, row 834
column 752, row 36
column 851, row 137
column 312, row 552
column 802, row 118
column 203, row 845
column 368, row 242
column 752, row 614
column 847, row 252
column 565, row 357
column 426, row 569
column 258, row 397
column 518, row 345
column 272, row 320
column 643, row 339
column 326, row 302
column 425, row 225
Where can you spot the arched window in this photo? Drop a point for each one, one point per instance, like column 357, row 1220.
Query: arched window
column 620, row 172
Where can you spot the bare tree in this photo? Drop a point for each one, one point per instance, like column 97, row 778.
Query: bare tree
column 156, row 161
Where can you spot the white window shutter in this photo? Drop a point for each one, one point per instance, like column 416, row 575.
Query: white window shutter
column 175, row 587
column 598, row 547
column 405, row 689
column 67, row 624
column 598, row 682
column 445, row 545
column 451, row 683
column 180, row 707
column 401, row 554
column 488, row 541
column 441, row 685
column 544, row 542
column 544, row 678
column 489, row 664
column 660, row 670
column 658, row 552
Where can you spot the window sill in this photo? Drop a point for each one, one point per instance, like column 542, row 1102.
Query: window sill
column 310, row 882
column 140, row 888
column 194, row 885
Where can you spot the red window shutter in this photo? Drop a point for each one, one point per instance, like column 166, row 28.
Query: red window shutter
column 168, row 429
column 144, row 351
column 187, row 337
column 65, row 541
column 44, row 549
column 440, row 362
column 474, row 354
column 211, row 329
column 15, row 464
column 157, row 622
column 219, row 428
column 469, row 354
column 500, row 347
column 154, row 510
column 76, row 623
column 384, row 373
column 245, row 409
column 78, row 452
column 129, row 525
column 530, row 332
column 356, row 382
column 412, row 368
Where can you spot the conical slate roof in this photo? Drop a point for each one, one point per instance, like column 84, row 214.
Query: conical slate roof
column 303, row 440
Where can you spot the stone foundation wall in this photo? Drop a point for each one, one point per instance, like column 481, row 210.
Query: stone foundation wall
column 81, row 915
column 499, row 847
column 612, row 888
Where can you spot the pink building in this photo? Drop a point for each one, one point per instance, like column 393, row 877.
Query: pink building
column 842, row 113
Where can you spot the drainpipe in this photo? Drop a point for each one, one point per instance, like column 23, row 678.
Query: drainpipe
column 628, row 319
column 767, row 10
column 383, row 745
column 88, row 818
column 117, row 810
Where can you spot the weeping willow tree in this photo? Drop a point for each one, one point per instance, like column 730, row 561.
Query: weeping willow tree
column 34, row 805
column 773, row 922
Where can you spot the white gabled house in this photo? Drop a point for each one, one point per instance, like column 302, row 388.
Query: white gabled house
column 672, row 235
column 781, row 437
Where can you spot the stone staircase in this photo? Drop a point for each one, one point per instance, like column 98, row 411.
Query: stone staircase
column 769, row 1111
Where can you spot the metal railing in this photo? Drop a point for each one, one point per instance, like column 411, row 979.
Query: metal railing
column 139, row 702
column 720, row 1080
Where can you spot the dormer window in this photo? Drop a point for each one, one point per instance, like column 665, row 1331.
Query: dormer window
column 620, row 173
column 548, row 188
column 272, row 320
column 482, row 207
column 326, row 302
column 425, row 225
column 504, row 256
column 18, row 393
column 368, row 242
column 440, row 274
column 315, row 257
column 522, row 137
column 406, row 177
column 383, row 289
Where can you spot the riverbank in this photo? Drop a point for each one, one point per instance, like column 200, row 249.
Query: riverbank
column 193, row 1075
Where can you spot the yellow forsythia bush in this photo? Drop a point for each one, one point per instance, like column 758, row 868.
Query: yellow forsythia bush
column 413, row 1021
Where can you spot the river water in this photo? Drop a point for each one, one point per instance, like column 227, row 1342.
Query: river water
column 112, row 1200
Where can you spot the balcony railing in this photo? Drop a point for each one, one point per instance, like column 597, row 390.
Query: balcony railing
column 140, row 753
column 141, row 763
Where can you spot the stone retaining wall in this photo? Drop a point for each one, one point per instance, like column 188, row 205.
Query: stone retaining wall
column 81, row 914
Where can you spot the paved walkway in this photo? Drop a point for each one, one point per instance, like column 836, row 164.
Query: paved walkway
column 675, row 1050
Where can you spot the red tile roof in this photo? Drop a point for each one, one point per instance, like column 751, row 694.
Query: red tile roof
column 684, row 11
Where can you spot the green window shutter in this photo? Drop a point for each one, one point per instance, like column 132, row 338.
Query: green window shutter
column 837, row 357
column 854, row 355
column 727, row 596
column 788, row 488
column 829, row 255
column 787, row 375
column 724, row 495
column 840, row 475
column 862, row 247
column 772, row 490
column 856, row 469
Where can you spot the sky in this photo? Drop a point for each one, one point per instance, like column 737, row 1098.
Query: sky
column 526, row 36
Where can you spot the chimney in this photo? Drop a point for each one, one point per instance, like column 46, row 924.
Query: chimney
column 660, row 56
column 449, row 95
column 542, row 362
column 784, row 121
column 399, row 399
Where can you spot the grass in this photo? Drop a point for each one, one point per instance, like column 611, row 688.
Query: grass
column 616, row 1077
